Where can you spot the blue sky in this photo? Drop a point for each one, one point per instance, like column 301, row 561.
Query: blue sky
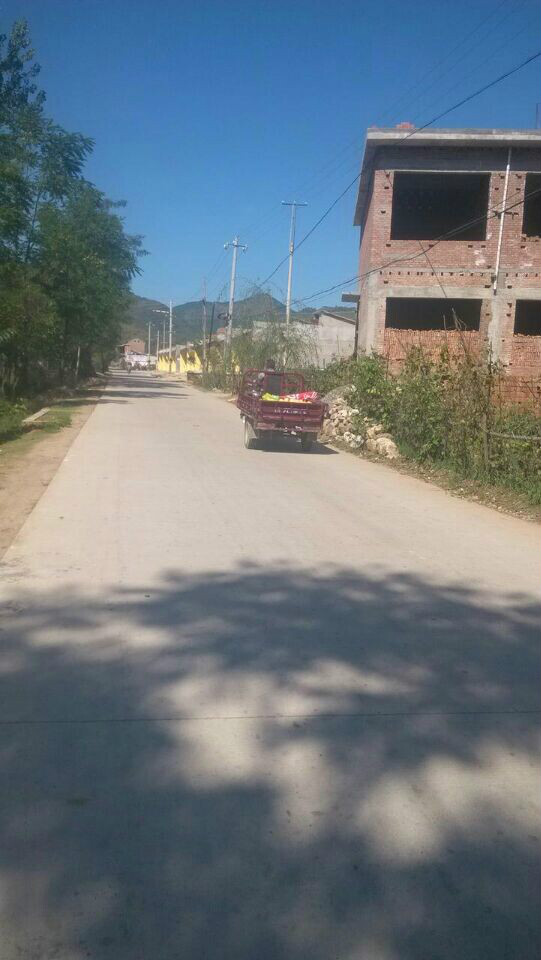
column 207, row 115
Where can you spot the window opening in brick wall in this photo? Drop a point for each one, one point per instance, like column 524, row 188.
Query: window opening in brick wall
column 427, row 205
column 528, row 318
column 531, row 222
column 431, row 313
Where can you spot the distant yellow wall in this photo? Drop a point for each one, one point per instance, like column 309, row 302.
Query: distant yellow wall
column 191, row 361
column 163, row 364
column 185, row 360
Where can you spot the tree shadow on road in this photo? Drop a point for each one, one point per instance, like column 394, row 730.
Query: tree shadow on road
column 144, row 390
column 272, row 763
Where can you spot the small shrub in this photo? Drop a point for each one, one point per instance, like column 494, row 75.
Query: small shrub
column 214, row 379
column 338, row 373
column 418, row 421
column 468, row 388
column 11, row 417
column 513, row 459
column 374, row 392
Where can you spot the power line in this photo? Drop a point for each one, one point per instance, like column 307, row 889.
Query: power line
column 274, row 212
column 494, row 212
column 462, row 44
column 444, row 113
column 354, row 144
column 471, row 96
column 495, row 52
column 433, row 243
column 341, row 158
column 413, row 256
column 315, row 226
column 269, row 220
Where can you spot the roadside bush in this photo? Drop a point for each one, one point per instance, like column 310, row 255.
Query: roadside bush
column 11, row 417
column 339, row 373
column 513, row 456
column 418, row 419
column 443, row 412
column 440, row 411
column 374, row 392
column 214, row 379
column 468, row 394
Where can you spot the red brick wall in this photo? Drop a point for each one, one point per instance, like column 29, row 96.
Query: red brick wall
column 525, row 356
column 521, row 392
column 396, row 343
column 365, row 250
column 521, row 255
column 520, row 385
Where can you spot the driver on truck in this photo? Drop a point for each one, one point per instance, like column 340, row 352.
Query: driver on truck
column 269, row 367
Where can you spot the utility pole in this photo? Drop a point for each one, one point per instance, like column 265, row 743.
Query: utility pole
column 204, row 324
column 236, row 245
column 170, row 334
column 211, row 325
column 163, row 338
column 293, row 204
column 149, row 342
column 157, row 346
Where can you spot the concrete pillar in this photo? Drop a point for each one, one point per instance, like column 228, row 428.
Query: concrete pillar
column 371, row 298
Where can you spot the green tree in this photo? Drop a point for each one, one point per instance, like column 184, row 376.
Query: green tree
column 87, row 262
column 65, row 261
column 39, row 161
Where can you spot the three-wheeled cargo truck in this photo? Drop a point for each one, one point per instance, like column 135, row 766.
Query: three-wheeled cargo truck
column 272, row 402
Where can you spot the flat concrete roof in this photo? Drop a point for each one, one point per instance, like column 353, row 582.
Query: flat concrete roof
column 460, row 137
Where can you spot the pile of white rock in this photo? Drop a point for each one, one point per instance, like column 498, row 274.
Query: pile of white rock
column 343, row 424
column 377, row 441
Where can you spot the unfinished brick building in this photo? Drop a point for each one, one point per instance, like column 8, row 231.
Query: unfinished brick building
column 418, row 260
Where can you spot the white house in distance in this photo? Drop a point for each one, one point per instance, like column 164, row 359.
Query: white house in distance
column 334, row 336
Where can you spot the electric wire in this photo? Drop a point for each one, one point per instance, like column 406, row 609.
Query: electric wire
column 417, row 130
column 495, row 211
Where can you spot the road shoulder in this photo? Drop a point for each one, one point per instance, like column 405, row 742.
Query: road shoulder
column 29, row 463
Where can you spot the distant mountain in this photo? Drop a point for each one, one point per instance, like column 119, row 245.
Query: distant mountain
column 188, row 317
column 139, row 315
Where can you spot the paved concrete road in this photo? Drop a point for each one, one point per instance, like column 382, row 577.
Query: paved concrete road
column 263, row 705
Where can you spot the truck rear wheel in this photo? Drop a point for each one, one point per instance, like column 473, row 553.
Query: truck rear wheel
column 307, row 441
column 250, row 436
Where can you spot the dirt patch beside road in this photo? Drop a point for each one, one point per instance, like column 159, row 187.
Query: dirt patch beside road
column 28, row 464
